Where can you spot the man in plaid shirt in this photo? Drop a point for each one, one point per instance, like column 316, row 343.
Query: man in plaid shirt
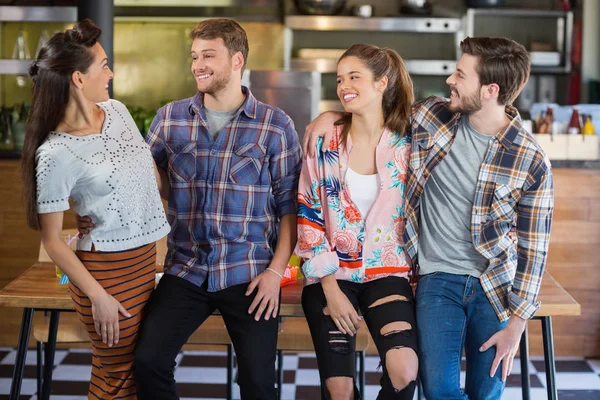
column 479, row 203
column 231, row 165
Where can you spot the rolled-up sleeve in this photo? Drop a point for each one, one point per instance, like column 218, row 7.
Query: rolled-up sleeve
column 285, row 166
column 535, row 209
column 156, row 140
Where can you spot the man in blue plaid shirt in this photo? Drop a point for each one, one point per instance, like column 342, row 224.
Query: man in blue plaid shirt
column 231, row 165
column 479, row 204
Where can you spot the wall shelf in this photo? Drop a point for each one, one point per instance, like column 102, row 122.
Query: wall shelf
column 515, row 12
column 14, row 67
column 194, row 3
column 549, row 70
column 336, row 23
column 414, row 67
column 564, row 32
column 37, row 14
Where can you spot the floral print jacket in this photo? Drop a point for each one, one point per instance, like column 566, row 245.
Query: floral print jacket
column 333, row 237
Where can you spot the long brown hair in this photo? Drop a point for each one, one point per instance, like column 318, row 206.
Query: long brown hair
column 502, row 61
column 65, row 53
column 398, row 96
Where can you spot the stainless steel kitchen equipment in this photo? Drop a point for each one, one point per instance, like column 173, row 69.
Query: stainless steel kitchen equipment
column 314, row 43
column 420, row 7
column 363, row 11
column 298, row 93
column 320, row 7
column 548, row 81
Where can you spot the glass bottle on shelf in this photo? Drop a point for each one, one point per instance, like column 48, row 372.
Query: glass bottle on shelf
column 544, row 123
column 588, row 127
column 7, row 142
column 574, row 127
column 21, row 52
column 19, row 116
column 41, row 41
column 539, row 122
column 549, row 120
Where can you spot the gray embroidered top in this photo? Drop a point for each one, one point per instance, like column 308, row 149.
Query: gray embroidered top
column 109, row 176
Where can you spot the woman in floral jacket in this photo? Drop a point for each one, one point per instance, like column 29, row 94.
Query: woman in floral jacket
column 350, row 227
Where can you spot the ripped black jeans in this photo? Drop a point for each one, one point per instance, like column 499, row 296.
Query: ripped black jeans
column 337, row 359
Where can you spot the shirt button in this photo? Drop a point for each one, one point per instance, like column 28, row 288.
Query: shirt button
column 213, row 152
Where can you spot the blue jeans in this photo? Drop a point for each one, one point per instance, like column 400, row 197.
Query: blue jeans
column 453, row 312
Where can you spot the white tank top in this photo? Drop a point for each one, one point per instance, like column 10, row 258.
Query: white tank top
column 363, row 190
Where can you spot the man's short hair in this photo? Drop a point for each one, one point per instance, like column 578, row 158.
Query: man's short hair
column 501, row 61
column 233, row 35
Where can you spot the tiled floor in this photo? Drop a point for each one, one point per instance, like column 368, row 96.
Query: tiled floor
column 203, row 375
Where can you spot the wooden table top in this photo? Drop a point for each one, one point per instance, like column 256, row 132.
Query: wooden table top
column 38, row 287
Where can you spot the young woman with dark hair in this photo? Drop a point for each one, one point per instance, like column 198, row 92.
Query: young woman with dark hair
column 81, row 145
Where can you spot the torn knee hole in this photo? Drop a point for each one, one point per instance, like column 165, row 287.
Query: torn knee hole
column 341, row 387
column 396, row 327
column 402, row 366
column 388, row 299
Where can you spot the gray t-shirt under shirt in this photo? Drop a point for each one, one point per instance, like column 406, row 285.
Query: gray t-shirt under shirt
column 218, row 119
column 445, row 243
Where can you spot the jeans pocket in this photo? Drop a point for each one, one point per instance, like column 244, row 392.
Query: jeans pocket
column 425, row 282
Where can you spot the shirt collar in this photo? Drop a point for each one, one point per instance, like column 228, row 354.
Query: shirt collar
column 248, row 106
column 508, row 135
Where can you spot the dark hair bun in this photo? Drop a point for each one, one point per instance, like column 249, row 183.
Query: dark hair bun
column 85, row 33
column 33, row 69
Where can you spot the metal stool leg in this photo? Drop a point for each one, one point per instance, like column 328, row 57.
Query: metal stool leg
column 39, row 367
column 229, row 372
column 49, row 351
column 361, row 373
column 548, row 341
column 524, row 357
column 17, row 380
column 279, row 373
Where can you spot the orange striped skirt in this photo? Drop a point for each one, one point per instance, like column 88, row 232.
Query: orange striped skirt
column 128, row 276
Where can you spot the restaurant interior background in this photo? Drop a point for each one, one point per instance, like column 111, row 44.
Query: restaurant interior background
column 151, row 65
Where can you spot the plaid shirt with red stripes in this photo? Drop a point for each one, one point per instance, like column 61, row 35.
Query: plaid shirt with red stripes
column 226, row 194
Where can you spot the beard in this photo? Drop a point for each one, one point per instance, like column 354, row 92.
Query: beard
column 220, row 80
column 468, row 104
column 219, row 83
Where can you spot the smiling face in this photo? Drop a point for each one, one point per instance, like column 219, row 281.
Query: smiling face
column 465, row 87
column 356, row 87
column 212, row 65
column 97, row 77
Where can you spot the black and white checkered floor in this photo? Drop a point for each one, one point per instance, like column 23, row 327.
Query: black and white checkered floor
column 202, row 375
